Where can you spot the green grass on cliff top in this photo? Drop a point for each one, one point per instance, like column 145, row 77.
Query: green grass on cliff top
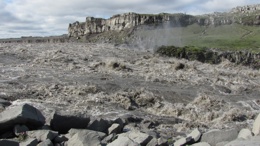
column 225, row 37
column 231, row 37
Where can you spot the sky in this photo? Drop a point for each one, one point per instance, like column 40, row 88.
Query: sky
column 52, row 17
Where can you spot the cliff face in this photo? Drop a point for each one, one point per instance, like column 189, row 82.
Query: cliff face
column 215, row 19
column 130, row 20
column 123, row 21
column 247, row 15
column 246, row 9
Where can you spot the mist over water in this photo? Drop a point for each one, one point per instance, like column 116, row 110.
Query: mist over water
column 151, row 37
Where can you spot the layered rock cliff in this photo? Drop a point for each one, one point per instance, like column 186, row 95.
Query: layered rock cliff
column 120, row 22
column 124, row 21
column 246, row 9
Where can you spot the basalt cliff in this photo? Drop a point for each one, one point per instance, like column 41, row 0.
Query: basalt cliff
column 124, row 21
column 246, row 15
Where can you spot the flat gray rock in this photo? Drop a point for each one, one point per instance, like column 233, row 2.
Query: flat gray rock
column 245, row 134
column 153, row 142
column 193, row 137
column 254, row 141
column 22, row 114
column 123, row 141
column 162, row 141
column 201, row 144
column 2, row 107
column 115, row 128
column 223, row 143
column 256, row 138
column 72, row 132
column 85, row 138
column 181, row 141
column 109, row 138
column 137, row 137
column 216, row 136
column 256, row 125
column 42, row 135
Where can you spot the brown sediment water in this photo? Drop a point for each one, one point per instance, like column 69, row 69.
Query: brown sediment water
column 112, row 81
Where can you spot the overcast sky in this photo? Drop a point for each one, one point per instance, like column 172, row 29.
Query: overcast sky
column 52, row 17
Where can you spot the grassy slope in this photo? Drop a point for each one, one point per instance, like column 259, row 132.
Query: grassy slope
column 226, row 37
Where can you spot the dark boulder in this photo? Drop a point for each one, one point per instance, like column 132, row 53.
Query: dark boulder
column 63, row 122
column 6, row 142
column 100, row 125
column 22, row 114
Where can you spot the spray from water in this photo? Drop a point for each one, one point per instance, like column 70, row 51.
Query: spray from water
column 150, row 37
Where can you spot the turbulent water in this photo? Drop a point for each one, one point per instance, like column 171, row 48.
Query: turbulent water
column 112, row 81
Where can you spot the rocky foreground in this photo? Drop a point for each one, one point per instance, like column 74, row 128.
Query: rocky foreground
column 103, row 94
column 31, row 128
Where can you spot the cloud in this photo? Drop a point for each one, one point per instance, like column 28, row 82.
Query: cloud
column 51, row 17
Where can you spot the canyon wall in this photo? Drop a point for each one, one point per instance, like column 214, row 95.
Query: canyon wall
column 246, row 15
column 246, row 9
column 127, row 20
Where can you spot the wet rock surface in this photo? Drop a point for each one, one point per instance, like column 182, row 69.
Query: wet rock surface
column 122, row 94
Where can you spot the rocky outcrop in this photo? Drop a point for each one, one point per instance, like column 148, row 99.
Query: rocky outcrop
column 124, row 21
column 25, row 114
column 245, row 134
column 246, row 9
column 256, row 126
column 86, row 138
column 216, row 136
column 217, row 19
column 126, row 130
column 211, row 56
column 193, row 137
column 254, row 141
column 129, row 20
